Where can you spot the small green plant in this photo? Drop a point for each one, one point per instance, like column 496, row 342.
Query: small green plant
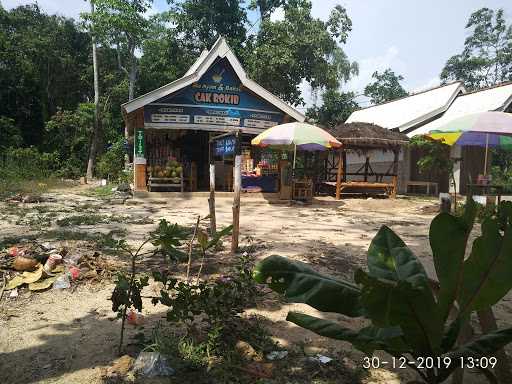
column 126, row 294
column 212, row 308
column 408, row 320
column 169, row 238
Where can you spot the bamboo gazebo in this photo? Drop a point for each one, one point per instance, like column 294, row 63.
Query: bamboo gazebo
column 363, row 138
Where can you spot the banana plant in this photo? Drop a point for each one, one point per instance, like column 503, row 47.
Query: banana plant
column 408, row 318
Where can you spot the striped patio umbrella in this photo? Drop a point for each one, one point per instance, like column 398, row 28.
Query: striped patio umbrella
column 484, row 129
column 297, row 136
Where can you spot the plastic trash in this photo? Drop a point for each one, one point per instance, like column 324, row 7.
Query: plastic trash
column 135, row 318
column 318, row 358
column 53, row 260
column 62, row 282
column 74, row 273
column 276, row 355
column 152, row 364
column 14, row 293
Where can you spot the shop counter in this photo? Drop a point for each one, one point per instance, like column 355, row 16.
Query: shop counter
column 266, row 183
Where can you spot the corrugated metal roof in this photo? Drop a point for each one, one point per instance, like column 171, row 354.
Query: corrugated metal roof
column 497, row 98
column 411, row 110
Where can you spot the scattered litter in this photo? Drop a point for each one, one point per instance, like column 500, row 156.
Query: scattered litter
column 152, row 364
column 74, row 272
column 120, row 368
column 62, row 282
column 246, row 350
column 14, row 293
column 320, row 359
column 135, row 318
column 42, row 284
column 22, row 263
column 53, row 260
column 276, row 355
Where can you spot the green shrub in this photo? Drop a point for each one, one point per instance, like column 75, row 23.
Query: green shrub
column 110, row 165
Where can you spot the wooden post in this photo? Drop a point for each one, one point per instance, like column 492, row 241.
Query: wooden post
column 237, row 175
column 366, row 166
column 488, row 324
column 211, row 199
column 339, row 174
column 395, row 174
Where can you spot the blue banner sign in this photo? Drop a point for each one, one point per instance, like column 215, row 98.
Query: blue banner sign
column 225, row 146
column 217, row 99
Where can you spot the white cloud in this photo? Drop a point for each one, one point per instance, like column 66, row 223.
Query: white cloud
column 367, row 66
column 431, row 83
column 277, row 15
column 68, row 8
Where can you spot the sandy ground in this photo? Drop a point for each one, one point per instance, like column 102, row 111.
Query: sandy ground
column 67, row 336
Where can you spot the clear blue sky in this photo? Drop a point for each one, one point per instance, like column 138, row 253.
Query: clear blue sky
column 413, row 37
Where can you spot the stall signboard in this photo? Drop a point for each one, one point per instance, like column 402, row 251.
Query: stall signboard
column 139, row 143
column 225, row 146
column 217, row 99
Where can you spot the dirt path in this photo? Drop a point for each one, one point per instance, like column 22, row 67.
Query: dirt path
column 66, row 337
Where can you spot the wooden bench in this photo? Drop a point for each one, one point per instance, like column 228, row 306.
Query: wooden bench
column 388, row 188
column 427, row 184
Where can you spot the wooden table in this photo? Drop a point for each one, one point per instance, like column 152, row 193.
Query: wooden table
column 486, row 190
column 427, row 184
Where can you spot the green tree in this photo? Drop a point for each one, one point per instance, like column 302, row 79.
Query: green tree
column 300, row 47
column 487, row 56
column 42, row 64
column 335, row 109
column 166, row 56
column 266, row 7
column 96, row 135
column 386, row 87
column 201, row 22
column 122, row 24
column 10, row 135
column 68, row 133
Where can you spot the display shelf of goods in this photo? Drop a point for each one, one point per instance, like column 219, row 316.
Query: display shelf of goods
column 165, row 176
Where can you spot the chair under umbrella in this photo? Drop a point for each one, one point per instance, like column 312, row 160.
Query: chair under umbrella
column 484, row 129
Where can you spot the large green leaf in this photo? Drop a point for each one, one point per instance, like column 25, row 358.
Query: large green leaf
column 448, row 238
column 380, row 262
column 488, row 270
column 367, row 339
column 390, row 259
column 301, row 284
column 486, row 345
column 411, row 307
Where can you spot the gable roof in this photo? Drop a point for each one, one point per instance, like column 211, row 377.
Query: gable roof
column 409, row 111
column 219, row 50
column 497, row 98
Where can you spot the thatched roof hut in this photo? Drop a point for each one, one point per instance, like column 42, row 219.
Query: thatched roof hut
column 368, row 136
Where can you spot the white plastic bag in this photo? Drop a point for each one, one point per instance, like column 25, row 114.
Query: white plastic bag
column 152, row 364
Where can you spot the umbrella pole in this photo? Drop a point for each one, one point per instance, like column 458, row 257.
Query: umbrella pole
column 294, row 156
column 486, row 153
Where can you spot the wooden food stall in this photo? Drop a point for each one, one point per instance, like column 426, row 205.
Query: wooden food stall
column 365, row 141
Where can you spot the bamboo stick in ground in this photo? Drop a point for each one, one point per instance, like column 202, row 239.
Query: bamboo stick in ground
column 211, row 202
column 236, row 204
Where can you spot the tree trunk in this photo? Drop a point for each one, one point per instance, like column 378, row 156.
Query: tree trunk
column 132, row 79
column 93, row 150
